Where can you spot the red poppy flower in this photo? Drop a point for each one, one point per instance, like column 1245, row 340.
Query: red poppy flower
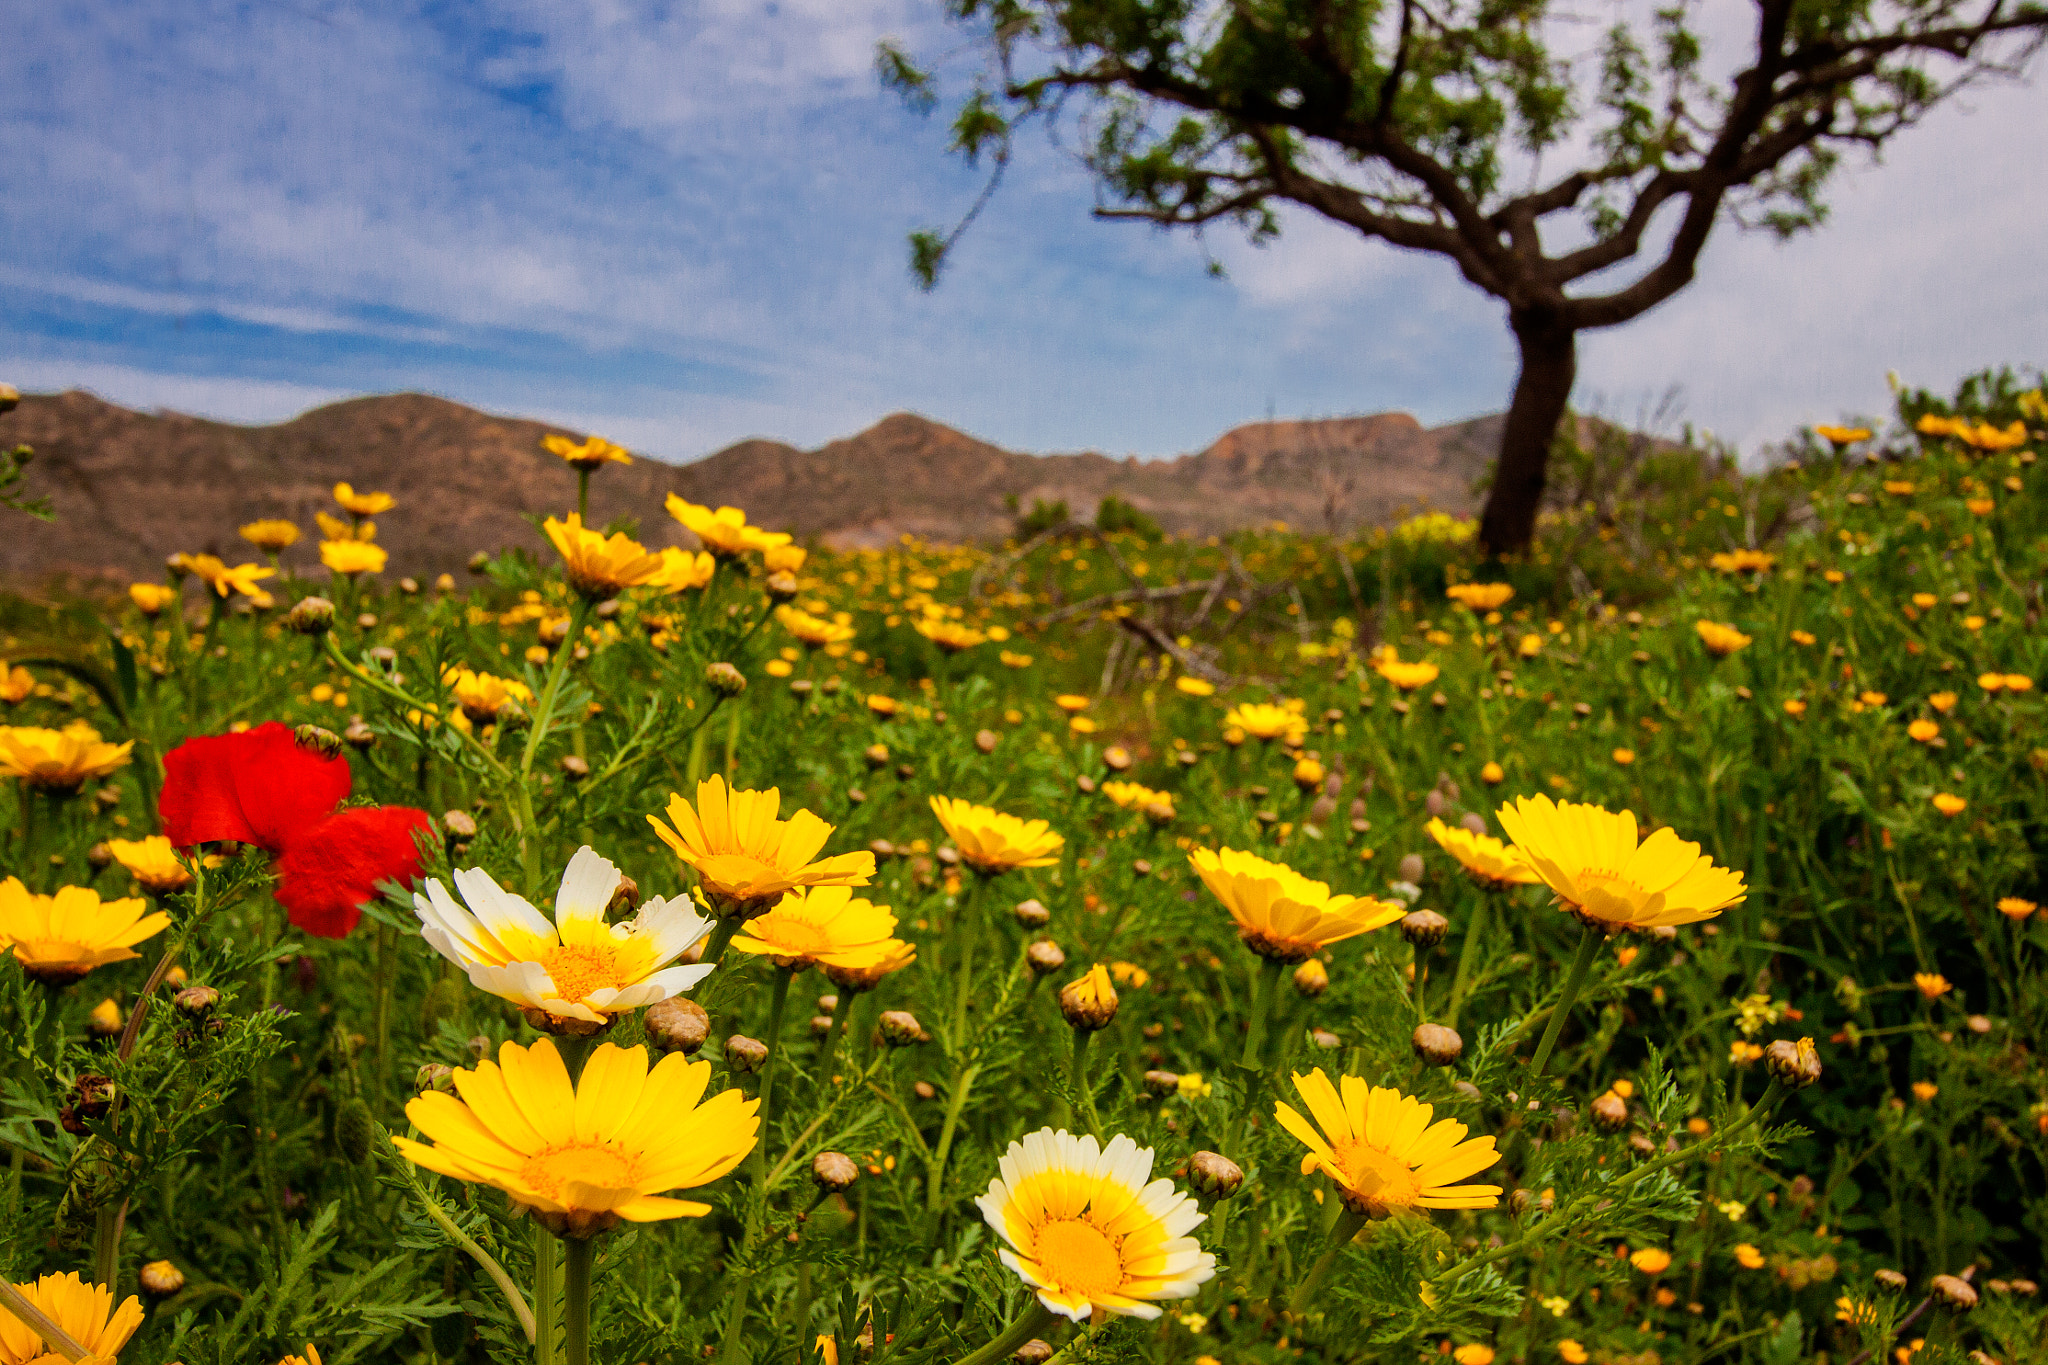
column 263, row 787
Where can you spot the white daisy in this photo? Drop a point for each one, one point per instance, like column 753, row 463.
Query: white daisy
column 1088, row 1232
column 577, row 968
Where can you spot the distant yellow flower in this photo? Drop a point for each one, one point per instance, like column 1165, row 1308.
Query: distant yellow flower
column 584, row 1155
column 1590, row 858
column 341, row 528
column 993, row 842
column 1530, row 647
column 882, row 706
column 223, row 579
column 17, row 684
column 812, row 631
column 1383, row 1152
column 153, row 863
column 84, row 1310
column 950, row 636
column 1950, row 805
column 1624, row 756
column 1406, row 676
column 724, row 532
column 1794, row 707
column 352, row 557
column 744, row 855
column 151, row 598
column 1842, row 436
column 1980, row 507
column 592, row 453
column 1474, row 1353
column 1193, row 1087
column 1833, row 575
column 1872, row 698
column 1931, row 985
column 825, row 925
column 2018, row 682
column 1925, row 1091
column 786, row 559
column 1801, row 637
column 1651, row 1260
column 58, row 761
column 1851, row 1310
column 1129, row 974
column 1481, row 597
column 1748, row 1257
column 1943, row 702
column 1986, row 437
column 1493, row 774
column 1923, row 730
column 1571, row 1352
column 60, row 938
column 363, row 504
column 1135, row 796
column 682, row 571
column 1742, row 561
column 1263, row 720
column 597, row 565
column 1009, row 659
column 1991, row 682
column 1486, row 860
column 1899, row 488
column 271, row 534
column 1720, row 640
column 1194, row 687
column 1281, row 914
column 2016, row 908
column 483, row 695
column 1090, row 1231
column 1071, row 702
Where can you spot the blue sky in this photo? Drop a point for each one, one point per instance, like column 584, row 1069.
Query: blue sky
column 681, row 224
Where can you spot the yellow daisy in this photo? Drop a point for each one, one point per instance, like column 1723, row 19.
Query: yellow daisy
column 578, row 968
column 58, row 761
column 1280, row 913
column 151, row 598
column 363, row 504
column 153, row 863
column 59, row 938
column 591, row 453
column 812, row 630
column 1263, row 720
column 1486, row 860
column 1136, row 796
column 1088, row 1228
column 84, row 1311
column 1720, row 640
column 744, row 855
column 950, row 636
column 724, row 532
column 1382, row 1150
column 824, row 925
column 224, row 579
column 993, row 842
column 583, row 1156
column 682, row 571
column 271, row 534
column 1480, row 597
column 483, row 695
column 1591, row 859
column 596, row 565
column 1406, row 676
column 352, row 557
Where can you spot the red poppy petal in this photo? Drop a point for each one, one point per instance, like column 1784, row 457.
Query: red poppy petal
column 259, row 787
column 334, row 867
column 198, row 805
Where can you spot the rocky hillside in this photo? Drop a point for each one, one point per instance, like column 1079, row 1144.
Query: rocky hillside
column 132, row 488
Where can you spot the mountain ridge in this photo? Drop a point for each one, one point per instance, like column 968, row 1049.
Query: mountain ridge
column 132, row 488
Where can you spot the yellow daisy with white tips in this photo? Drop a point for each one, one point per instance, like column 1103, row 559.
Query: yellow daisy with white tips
column 584, row 1156
column 1382, row 1150
column 579, row 968
column 1088, row 1228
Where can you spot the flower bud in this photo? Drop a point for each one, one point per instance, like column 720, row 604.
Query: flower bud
column 458, row 825
column 1610, row 1110
column 161, row 1279
column 1797, row 1065
column 724, row 679
column 355, row 1132
column 781, row 586
column 1044, row 957
column 315, row 740
column 676, row 1025
column 310, row 616
column 986, row 740
column 1308, row 775
column 480, row 562
column 1954, row 1291
column 1032, row 1352
column 1213, row 1175
column 745, row 1054
column 196, row 1002
column 359, row 736
column 575, row 767
column 1032, row 914
column 1474, row 821
column 105, row 1020
column 1117, row 758
column 1160, row 1084
column 1890, row 1279
column 1411, row 869
column 1089, row 1002
column 1436, row 1045
column 834, row 1172
column 10, row 398
column 1424, row 928
column 1325, row 1039
column 100, row 855
column 901, row 1029
column 1311, row 979
column 433, row 1076
column 877, row 755
column 1435, row 804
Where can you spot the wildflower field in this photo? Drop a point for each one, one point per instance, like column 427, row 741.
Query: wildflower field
column 1100, row 948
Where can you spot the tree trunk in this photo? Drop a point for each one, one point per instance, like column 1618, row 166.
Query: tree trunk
column 1550, row 362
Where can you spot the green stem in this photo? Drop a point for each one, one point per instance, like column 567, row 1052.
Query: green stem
column 1077, row 1076
column 106, row 1245
column 440, row 1219
column 579, row 1253
column 1347, row 1227
column 544, row 710
column 1034, row 1320
column 1590, row 940
column 387, row 971
column 1265, row 987
column 840, row 1009
column 583, row 497
column 964, row 932
column 963, row 1082
column 777, row 1002
column 546, row 1295
column 1466, row 954
column 721, row 934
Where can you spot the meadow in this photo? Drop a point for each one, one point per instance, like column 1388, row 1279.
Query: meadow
column 1099, row 948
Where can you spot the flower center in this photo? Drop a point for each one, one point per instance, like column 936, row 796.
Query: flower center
column 801, row 937
column 548, row 1172
column 1383, row 1179
column 1075, row 1254
column 578, row 970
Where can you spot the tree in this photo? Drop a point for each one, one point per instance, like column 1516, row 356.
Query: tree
column 1432, row 125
